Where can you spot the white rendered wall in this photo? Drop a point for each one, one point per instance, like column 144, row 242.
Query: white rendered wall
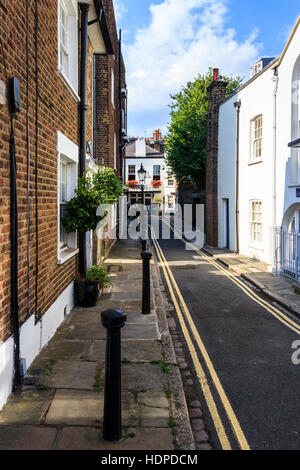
column 286, row 190
column 227, row 170
column 255, row 178
column 32, row 339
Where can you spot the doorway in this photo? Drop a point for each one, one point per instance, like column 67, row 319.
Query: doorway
column 226, row 223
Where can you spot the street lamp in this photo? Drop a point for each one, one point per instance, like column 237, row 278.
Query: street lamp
column 142, row 178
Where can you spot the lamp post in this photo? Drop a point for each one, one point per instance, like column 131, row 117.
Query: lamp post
column 142, row 178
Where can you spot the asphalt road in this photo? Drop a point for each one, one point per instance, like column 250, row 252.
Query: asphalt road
column 249, row 348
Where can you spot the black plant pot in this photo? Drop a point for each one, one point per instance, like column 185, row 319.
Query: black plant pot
column 86, row 293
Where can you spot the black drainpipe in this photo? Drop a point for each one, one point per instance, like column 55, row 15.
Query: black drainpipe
column 120, row 107
column 237, row 105
column 14, row 261
column 82, row 120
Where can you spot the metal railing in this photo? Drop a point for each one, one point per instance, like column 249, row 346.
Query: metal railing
column 287, row 253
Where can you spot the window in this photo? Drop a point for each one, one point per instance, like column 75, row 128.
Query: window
column 67, row 169
column 256, row 221
column 131, row 172
column 63, row 190
column 68, row 44
column 115, row 151
column 112, row 88
column 256, row 139
column 170, row 179
column 63, row 38
column 170, row 201
column 257, row 68
column 156, row 172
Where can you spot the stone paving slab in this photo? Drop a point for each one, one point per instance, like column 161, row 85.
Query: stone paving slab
column 133, row 350
column 137, row 317
column 143, row 377
column 154, row 409
column 141, row 350
column 83, row 332
column 64, row 350
column 132, row 295
column 138, row 331
column 156, row 417
column 88, row 438
column 76, row 407
column 28, row 408
column 27, row 438
column 73, row 375
column 97, row 351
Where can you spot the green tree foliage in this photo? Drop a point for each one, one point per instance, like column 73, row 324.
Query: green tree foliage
column 186, row 138
column 108, row 185
column 81, row 211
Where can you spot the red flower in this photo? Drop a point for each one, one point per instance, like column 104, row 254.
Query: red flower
column 156, row 184
column 131, row 184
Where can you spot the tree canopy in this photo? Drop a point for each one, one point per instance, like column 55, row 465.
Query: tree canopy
column 186, row 137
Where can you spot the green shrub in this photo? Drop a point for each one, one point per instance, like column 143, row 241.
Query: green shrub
column 97, row 274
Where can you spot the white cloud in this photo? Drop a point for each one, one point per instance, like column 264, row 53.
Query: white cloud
column 183, row 39
column 120, row 9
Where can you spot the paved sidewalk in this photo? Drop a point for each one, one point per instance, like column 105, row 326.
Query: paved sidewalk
column 61, row 407
column 278, row 288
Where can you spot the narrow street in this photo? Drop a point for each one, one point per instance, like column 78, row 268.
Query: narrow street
column 240, row 346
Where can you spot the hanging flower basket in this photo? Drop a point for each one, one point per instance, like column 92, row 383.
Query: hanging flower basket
column 132, row 184
column 156, row 184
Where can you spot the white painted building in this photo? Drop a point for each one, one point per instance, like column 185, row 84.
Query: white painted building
column 154, row 163
column 258, row 174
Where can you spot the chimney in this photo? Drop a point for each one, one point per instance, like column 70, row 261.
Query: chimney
column 215, row 75
column 157, row 134
column 216, row 93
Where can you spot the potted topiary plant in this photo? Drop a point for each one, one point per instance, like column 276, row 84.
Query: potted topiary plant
column 87, row 292
column 81, row 215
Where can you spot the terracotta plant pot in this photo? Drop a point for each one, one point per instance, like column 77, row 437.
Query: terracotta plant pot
column 86, row 293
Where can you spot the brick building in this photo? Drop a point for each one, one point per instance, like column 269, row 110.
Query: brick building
column 50, row 48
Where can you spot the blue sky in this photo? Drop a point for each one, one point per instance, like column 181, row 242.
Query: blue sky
column 167, row 42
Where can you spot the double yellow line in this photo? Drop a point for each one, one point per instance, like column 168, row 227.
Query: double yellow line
column 185, row 319
column 247, row 290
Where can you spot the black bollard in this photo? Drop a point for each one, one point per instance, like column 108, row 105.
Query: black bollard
column 144, row 245
column 113, row 321
column 146, row 257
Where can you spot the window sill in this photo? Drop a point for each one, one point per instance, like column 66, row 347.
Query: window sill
column 66, row 255
column 255, row 162
column 294, row 185
column 68, row 84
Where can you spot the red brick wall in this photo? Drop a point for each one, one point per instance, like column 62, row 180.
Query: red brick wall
column 108, row 115
column 57, row 110
column 216, row 92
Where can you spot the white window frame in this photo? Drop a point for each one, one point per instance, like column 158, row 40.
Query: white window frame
column 130, row 173
column 256, row 139
column 155, row 175
column 115, row 151
column 67, row 154
column 112, row 87
column 69, row 74
column 256, row 222
column 170, row 178
column 171, row 198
